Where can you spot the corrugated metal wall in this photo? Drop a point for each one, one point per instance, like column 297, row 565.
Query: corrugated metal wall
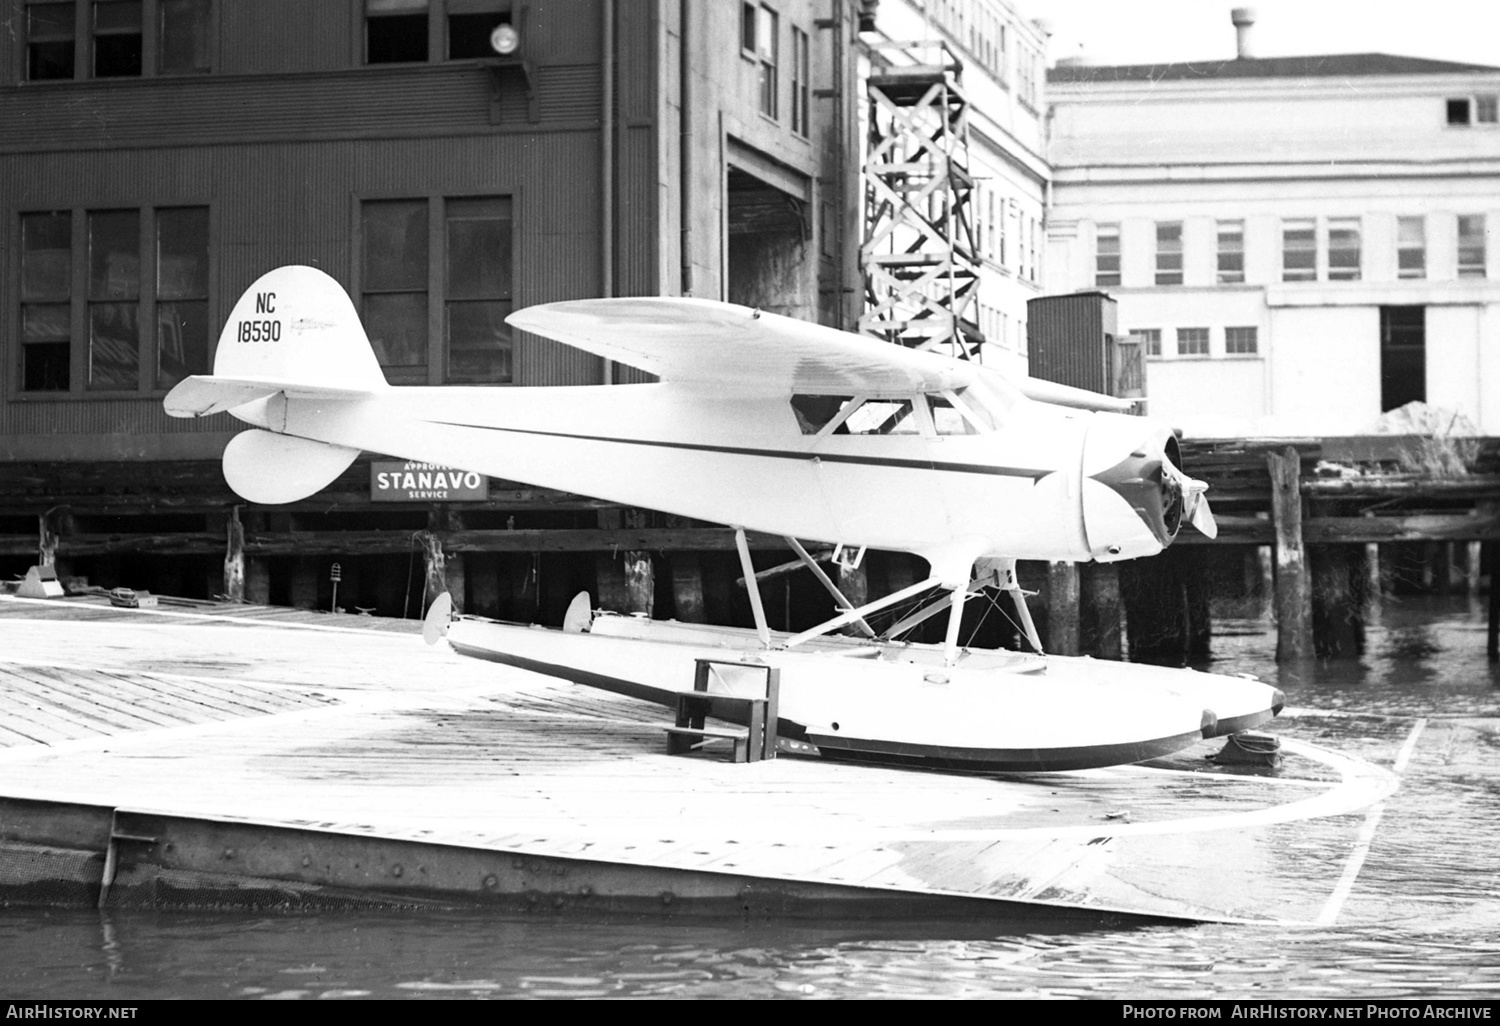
column 1065, row 339
column 282, row 160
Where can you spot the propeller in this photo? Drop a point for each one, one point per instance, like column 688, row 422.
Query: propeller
column 1195, row 509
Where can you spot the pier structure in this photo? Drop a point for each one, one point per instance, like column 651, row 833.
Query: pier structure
column 228, row 754
column 1320, row 527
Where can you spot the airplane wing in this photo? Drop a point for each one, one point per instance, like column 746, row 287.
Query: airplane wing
column 750, row 351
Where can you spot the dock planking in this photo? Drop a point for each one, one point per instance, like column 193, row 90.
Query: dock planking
column 321, row 731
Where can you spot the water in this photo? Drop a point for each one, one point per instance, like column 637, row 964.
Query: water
column 1422, row 920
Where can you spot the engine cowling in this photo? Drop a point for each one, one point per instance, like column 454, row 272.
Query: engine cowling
column 1135, row 494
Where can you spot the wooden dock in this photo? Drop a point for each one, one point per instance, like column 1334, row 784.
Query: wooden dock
column 239, row 754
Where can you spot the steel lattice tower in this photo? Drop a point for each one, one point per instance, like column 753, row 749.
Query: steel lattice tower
column 920, row 261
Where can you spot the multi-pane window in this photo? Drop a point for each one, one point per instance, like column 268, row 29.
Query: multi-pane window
column 93, row 313
column 1192, row 341
column 68, row 39
column 1150, row 339
column 1471, row 262
column 801, row 90
column 184, row 37
column 1473, row 110
column 478, row 342
column 1411, row 247
column 1343, row 249
column 1001, row 254
column 401, row 287
column 116, row 30
column 182, row 328
column 114, row 300
column 50, row 41
column 1240, row 341
column 1231, row 252
column 1022, row 253
column 471, row 26
column 1169, row 253
column 401, row 31
column 768, row 58
column 46, row 294
column 1034, row 270
column 395, row 31
column 394, row 285
column 1299, row 250
column 1107, row 255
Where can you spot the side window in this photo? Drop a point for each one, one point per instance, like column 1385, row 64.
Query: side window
column 393, row 293
column 93, row 320
column 46, row 293
column 815, row 411
column 400, row 31
column 395, row 31
column 469, row 286
column 883, row 417
column 118, row 47
column 182, row 328
column 120, row 38
column 49, row 41
column 114, row 300
column 479, row 291
column 184, row 37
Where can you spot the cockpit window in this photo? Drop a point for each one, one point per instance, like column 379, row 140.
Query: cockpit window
column 960, row 413
column 947, row 420
column 883, row 417
column 815, row 411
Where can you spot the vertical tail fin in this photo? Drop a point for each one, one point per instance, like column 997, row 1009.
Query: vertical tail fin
column 297, row 325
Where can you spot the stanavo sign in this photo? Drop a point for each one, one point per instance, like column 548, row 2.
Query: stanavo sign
column 402, row 481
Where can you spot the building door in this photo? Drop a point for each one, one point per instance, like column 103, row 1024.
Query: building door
column 1403, row 356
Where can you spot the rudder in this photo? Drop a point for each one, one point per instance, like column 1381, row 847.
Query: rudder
column 297, row 324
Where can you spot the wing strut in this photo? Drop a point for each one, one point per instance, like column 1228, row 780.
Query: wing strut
column 833, row 589
column 752, row 587
column 851, row 615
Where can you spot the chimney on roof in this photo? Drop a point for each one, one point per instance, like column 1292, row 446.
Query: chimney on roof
column 1244, row 19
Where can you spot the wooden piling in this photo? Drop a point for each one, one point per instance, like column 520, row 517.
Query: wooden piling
column 435, row 568
column 1340, row 582
column 1293, row 589
column 305, row 581
column 1492, row 645
column 1062, row 609
column 484, row 583
column 47, row 538
column 234, row 556
column 687, row 587
column 257, row 568
column 1099, row 611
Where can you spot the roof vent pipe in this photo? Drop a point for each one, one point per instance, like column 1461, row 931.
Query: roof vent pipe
column 1244, row 19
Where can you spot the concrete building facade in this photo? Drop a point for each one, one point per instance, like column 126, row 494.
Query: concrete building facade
column 1304, row 242
column 1003, row 58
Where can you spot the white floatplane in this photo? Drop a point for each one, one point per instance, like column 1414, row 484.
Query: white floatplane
column 771, row 424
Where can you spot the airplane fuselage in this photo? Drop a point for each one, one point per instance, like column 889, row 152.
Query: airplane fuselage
column 746, row 461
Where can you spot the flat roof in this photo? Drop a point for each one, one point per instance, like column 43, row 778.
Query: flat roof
column 1338, row 65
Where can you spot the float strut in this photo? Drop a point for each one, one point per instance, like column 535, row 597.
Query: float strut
column 752, row 587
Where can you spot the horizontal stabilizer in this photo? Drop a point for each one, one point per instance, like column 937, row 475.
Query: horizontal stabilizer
column 201, row 395
column 268, row 468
